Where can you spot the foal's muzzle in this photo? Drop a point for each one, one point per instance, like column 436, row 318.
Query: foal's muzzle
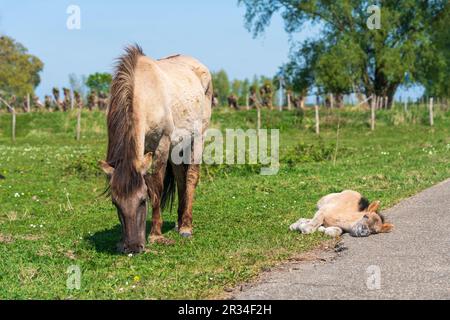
column 360, row 230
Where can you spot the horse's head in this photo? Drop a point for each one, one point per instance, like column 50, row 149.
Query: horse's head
column 371, row 223
column 129, row 196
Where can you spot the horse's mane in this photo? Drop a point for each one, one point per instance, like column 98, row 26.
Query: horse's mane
column 122, row 153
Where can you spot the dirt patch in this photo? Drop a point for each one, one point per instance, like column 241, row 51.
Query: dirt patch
column 27, row 274
column 6, row 238
column 30, row 237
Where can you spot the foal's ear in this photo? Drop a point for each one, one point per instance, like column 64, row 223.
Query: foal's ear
column 374, row 206
column 387, row 227
column 146, row 163
column 106, row 168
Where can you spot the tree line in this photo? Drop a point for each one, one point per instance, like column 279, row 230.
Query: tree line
column 411, row 45
column 20, row 75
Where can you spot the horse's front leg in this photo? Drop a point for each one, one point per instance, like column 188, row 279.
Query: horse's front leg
column 155, row 185
column 187, row 179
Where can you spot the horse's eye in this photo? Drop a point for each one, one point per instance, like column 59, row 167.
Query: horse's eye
column 142, row 203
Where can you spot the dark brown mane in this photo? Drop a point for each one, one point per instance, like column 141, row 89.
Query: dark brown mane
column 121, row 152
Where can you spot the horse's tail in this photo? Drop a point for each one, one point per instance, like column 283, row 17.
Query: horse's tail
column 168, row 195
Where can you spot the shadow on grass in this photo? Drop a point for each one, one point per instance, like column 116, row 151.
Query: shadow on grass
column 105, row 241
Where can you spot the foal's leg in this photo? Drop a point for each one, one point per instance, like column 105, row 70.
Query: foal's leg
column 314, row 224
column 333, row 232
column 298, row 225
column 192, row 173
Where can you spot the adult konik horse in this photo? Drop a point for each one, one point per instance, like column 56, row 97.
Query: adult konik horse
column 154, row 106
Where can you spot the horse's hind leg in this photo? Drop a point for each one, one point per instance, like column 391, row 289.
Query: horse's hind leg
column 180, row 177
column 187, row 179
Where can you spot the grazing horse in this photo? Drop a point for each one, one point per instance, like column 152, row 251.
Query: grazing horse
column 154, row 106
column 343, row 212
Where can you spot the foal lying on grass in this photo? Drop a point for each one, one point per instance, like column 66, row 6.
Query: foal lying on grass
column 343, row 212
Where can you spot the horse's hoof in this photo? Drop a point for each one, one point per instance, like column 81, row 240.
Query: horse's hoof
column 186, row 235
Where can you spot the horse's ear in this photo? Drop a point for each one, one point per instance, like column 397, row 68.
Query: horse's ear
column 387, row 227
column 106, row 168
column 374, row 206
column 146, row 163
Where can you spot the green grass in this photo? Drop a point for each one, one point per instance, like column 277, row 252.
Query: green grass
column 52, row 214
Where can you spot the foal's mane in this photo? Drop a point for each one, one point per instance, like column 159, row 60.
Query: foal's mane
column 122, row 153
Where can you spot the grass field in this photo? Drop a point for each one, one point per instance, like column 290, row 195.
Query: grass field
column 52, row 213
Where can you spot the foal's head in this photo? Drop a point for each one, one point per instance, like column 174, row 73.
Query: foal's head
column 371, row 223
column 129, row 196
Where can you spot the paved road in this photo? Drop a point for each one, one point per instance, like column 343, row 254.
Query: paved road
column 413, row 262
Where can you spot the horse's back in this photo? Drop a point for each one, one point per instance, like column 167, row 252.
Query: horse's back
column 175, row 95
column 176, row 64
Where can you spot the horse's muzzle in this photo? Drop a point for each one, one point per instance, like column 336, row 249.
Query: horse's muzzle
column 130, row 248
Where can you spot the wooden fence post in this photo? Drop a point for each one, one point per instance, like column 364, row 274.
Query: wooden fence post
column 247, row 102
column 406, row 105
column 258, row 114
column 28, row 103
column 331, row 101
column 289, row 101
column 13, row 119
column 386, row 102
column 316, row 107
column 372, row 113
column 79, row 124
column 71, row 100
column 13, row 125
column 431, row 112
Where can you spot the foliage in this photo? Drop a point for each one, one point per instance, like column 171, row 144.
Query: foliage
column 99, row 82
column 19, row 70
column 78, row 83
column 347, row 55
column 435, row 64
column 221, row 85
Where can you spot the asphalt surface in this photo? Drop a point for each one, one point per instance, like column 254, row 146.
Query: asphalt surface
column 412, row 262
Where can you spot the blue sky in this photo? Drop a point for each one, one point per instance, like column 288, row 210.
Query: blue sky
column 212, row 31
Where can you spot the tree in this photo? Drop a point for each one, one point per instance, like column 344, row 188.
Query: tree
column 245, row 90
column 221, row 85
column 78, row 84
column 348, row 55
column 99, row 82
column 236, row 87
column 19, row 70
column 436, row 69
